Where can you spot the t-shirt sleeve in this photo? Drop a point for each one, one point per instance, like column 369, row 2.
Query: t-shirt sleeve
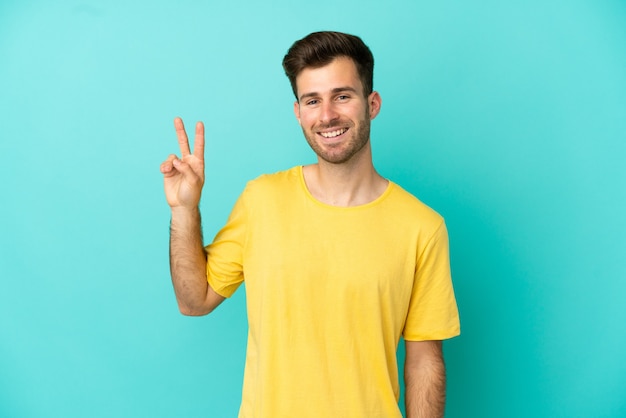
column 225, row 253
column 433, row 312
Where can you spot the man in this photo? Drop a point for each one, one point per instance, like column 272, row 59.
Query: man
column 338, row 261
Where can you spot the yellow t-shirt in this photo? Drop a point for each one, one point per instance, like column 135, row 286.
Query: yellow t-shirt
column 329, row 291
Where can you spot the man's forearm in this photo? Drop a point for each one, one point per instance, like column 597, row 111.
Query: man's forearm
column 188, row 261
column 425, row 385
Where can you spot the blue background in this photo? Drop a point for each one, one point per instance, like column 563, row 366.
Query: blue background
column 509, row 118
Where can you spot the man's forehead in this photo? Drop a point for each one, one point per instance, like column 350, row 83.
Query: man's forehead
column 341, row 73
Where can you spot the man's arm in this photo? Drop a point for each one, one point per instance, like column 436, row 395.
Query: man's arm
column 425, row 379
column 188, row 264
column 183, row 180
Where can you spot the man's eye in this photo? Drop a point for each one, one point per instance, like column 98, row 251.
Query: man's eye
column 312, row 102
column 343, row 97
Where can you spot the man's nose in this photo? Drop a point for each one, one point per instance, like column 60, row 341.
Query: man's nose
column 328, row 112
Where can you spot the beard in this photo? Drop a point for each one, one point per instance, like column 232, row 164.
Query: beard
column 342, row 152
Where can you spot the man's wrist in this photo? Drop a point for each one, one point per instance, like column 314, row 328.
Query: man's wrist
column 185, row 211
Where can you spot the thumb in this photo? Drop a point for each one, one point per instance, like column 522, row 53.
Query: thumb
column 185, row 169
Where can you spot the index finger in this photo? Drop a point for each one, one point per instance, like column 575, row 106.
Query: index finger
column 183, row 142
column 198, row 142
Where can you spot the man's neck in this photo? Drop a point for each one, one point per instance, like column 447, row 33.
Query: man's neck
column 350, row 184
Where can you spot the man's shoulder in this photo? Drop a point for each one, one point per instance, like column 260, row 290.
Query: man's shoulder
column 408, row 204
column 290, row 174
column 273, row 182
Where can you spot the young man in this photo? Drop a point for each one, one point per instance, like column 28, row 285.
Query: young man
column 338, row 261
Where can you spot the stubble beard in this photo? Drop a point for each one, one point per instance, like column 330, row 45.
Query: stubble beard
column 343, row 152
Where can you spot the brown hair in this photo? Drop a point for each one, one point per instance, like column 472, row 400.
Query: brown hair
column 321, row 48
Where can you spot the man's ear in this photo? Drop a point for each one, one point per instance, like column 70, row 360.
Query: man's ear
column 375, row 102
column 296, row 111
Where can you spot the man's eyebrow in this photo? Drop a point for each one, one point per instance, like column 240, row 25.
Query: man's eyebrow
column 333, row 91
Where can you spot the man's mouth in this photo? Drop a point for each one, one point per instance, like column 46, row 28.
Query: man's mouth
column 333, row 134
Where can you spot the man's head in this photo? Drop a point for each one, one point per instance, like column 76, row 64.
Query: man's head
column 331, row 75
column 321, row 48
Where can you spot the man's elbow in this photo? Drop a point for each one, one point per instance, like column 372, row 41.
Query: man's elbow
column 187, row 310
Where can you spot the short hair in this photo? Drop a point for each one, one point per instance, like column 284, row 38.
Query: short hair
column 321, row 48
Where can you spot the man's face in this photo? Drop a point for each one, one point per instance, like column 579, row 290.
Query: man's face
column 333, row 112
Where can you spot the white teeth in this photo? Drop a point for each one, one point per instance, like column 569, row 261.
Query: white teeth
column 333, row 133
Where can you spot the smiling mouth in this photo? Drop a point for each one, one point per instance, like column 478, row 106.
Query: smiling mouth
column 333, row 134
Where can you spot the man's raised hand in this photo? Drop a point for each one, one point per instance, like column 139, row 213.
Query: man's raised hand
column 184, row 177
